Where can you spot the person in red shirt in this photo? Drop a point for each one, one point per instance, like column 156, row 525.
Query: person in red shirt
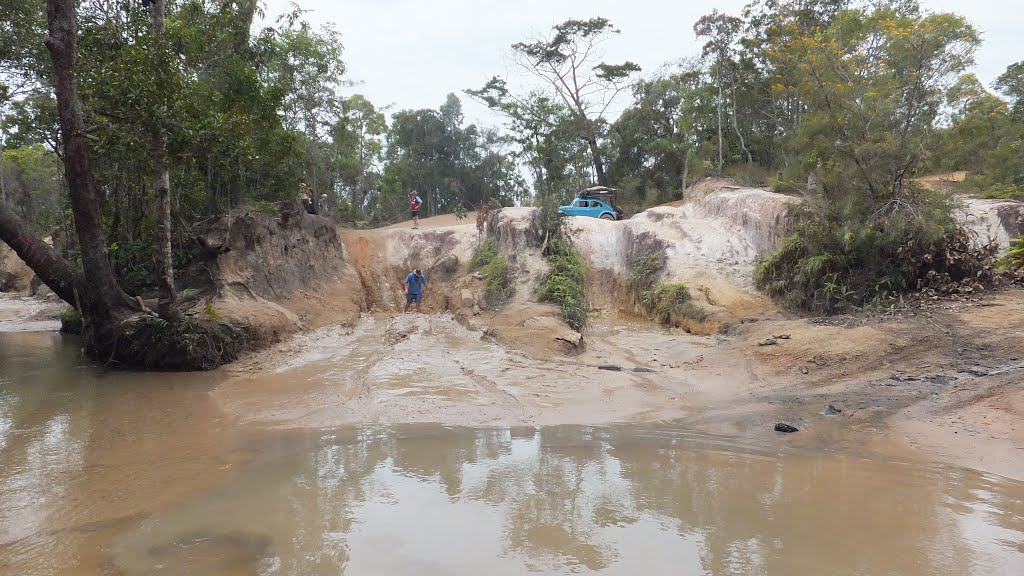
column 414, row 208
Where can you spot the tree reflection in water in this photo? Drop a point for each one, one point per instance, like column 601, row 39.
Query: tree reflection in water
column 627, row 500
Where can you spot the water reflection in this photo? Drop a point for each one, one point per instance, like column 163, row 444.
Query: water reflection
column 578, row 500
column 85, row 453
column 140, row 474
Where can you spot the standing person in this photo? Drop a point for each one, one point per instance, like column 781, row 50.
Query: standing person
column 414, row 208
column 323, row 204
column 304, row 196
column 414, row 284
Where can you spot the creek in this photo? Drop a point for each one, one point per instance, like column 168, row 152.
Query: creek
column 140, row 474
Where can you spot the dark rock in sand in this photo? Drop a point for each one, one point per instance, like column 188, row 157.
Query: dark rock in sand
column 830, row 410
column 611, row 367
column 643, row 370
column 977, row 371
column 783, row 427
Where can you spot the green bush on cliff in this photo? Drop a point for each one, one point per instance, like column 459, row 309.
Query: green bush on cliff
column 484, row 253
column 565, row 283
column 670, row 301
column 840, row 261
column 645, row 268
column 1014, row 259
column 498, row 287
column 494, row 269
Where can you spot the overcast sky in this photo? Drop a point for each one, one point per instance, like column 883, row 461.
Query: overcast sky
column 412, row 53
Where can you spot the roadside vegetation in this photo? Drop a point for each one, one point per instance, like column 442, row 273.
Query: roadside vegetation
column 494, row 270
column 566, row 281
column 1014, row 259
column 668, row 303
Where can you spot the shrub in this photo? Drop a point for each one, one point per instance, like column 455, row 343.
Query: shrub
column 987, row 187
column 1001, row 192
column 498, row 287
column 565, row 284
column 494, row 269
column 484, row 253
column 646, row 268
column 670, row 301
column 835, row 263
column 1014, row 259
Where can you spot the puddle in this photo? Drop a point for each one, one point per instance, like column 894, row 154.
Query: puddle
column 144, row 474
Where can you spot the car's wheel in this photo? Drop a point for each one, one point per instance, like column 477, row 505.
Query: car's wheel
column 607, row 216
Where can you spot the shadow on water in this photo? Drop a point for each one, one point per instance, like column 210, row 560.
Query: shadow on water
column 130, row 474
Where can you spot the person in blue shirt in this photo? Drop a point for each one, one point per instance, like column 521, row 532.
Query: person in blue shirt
column 414, row 284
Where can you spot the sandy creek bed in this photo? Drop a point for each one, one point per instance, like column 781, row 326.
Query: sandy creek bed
column 410, row 445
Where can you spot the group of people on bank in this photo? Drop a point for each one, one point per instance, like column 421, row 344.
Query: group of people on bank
column 415, row 283
column 313, row 205
column 310, row 203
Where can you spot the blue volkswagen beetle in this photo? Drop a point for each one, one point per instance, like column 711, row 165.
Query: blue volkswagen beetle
column 596, row 202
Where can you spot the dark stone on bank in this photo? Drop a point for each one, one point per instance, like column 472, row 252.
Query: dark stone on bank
column 611, row 367
column 783, row 427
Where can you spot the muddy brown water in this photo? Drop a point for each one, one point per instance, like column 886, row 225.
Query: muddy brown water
column 119, row 473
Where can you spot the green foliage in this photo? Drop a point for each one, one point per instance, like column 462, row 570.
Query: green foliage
column 484, row 253
column 460, row 212
column 565, row 283
column 552, row 222
column 497, row 277
column 645, row 269
column 33, row 186
column 450, row 165
column 846, row 260
column 1001, row 192
column 496, row 273
column 264, row 207
column 1014, row 258
column 669, row 302
column 664, row 302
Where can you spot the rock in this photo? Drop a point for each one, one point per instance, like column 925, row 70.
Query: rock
column 645, row 370
column 783, row 427
column 767, row 342
column 977, row 371
column 611, row 367
column 569, row 339
column 781, row 337
column 804, row 370
column 448, row 265
column 467, row 298
column 476, row 310
column 830, row 410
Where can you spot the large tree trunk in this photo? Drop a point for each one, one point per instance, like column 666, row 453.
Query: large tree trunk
column 720, row 163
column 736, row 127
column 54, row 271
column 168, row 308
column 102, row 299
column 595, row 152
column 686, row 172
column 246, row 13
